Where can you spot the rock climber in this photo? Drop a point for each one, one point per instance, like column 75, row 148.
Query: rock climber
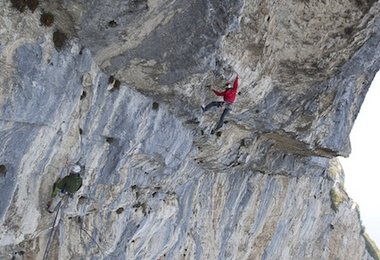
column 229, row 96
column 66, row 187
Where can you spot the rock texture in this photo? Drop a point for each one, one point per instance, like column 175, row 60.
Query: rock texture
column 116, row 86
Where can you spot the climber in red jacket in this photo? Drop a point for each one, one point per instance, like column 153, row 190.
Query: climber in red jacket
column 229, row 96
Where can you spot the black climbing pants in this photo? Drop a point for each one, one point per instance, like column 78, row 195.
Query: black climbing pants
column 214, row 104
column 226, row 110
column 221, row 120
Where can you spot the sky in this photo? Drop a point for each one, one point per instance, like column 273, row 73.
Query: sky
column 362, row 173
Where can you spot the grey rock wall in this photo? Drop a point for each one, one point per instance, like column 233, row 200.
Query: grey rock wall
column 156, row 183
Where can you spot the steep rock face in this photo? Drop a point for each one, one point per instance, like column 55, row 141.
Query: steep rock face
column 157, row 185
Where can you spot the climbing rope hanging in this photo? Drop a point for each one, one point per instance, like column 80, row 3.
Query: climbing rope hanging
column 55, row 224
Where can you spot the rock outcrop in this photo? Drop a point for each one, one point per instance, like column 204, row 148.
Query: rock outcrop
column 116, row 86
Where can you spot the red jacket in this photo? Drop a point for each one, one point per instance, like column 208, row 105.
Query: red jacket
column 229, row 95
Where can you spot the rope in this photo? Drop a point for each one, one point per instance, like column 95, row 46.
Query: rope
column 48, row 245
column 93, row 239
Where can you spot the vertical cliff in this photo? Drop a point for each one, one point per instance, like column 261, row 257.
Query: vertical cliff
column 116, row 86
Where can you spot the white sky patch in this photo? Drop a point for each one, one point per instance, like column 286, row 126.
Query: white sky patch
column 362, row 168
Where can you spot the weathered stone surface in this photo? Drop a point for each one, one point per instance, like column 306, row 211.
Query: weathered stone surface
column 157, row 184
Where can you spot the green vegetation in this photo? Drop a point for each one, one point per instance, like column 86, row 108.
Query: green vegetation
column 336, row 197
column 371, row 247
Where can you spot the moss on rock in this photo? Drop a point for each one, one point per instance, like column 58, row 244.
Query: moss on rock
column 337, row 197
column 371, row 247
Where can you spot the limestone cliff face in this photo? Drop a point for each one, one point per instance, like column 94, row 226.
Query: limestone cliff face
column 121, row 97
